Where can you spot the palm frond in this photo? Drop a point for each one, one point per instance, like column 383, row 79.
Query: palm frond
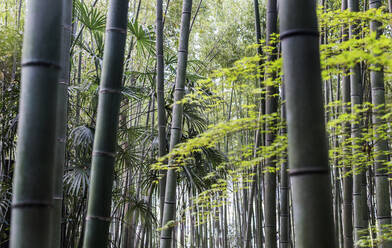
column 145, row 41
column 92, row 18
column 77, row 179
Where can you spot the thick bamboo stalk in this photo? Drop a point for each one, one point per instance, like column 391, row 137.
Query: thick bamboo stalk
column 32, row 205
column 170, row 191
column 105, row 139
column 61, row 125
column 383, row 207
column 308, row 157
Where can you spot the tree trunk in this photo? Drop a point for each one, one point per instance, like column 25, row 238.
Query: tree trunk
column 105, row 140
column 308, row 157
column 383, row 209
column 359, row 195
column 61, row 122
column 347, row 179
column 170, row 192
column 161, row 101
column 31, row 223
column 271, row 108
column 284, row 190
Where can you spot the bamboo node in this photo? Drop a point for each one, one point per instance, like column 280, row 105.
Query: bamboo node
column 308, row 171
column 118, row 30
column 109, row 90
column 33, row 204
column 40, row 62
column 104, row 154
column 93, row 217
column 299, row 32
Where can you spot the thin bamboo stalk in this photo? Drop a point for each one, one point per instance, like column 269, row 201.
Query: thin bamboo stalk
column 170, row 191
column 383, row 205
column 61, row 122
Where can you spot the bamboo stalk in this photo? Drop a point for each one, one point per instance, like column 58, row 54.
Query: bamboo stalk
column 105, row 139
column 308, row 157
column 33, row 179
column 61, row 122
column 176, row 128
column 383, row 207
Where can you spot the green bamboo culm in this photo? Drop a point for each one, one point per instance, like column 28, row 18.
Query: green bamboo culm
column 383, row 209
column 308, row 157
column 32, row 204
column 247, row 221
column 360, row 212
column 271, row 107
column 170, row 192
column 347, row 215
column 161, row 100
column 105, row 138
column 61, row 122
column 284, row 204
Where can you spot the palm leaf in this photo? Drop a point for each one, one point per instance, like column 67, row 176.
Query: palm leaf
column 145, row 41
column 92, row 18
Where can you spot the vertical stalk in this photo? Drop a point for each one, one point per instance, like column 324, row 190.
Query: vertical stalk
column 308, row 156
column 347, row 179
column 359, row 178
column 161, row 101
column 271, row 108
column 170, row 192
column 383, row 207
column 105, row 139
column 33, row 179
column 61, row 122
column 284, row 189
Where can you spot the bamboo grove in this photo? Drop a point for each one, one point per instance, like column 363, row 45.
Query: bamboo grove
column 204, row 123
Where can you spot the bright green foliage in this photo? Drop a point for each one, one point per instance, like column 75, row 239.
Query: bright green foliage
column 336, row 57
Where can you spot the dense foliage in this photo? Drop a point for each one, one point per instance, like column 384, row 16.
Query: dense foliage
column 221, row 160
